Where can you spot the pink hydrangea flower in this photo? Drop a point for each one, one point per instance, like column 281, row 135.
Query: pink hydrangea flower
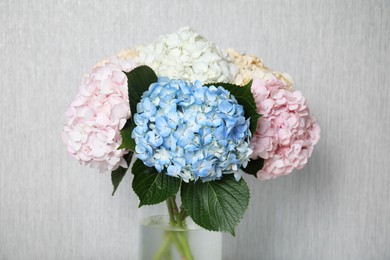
column 96, row 116
column 286, row 133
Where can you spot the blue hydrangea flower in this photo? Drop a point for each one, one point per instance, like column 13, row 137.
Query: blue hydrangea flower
column 191, row 131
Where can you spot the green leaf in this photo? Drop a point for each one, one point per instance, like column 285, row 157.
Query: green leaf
column 151, row 186
column 138, row 81
column 216, row 205
column 244, row 97
column 128, row 143
column 118, row 174
column 254, row 166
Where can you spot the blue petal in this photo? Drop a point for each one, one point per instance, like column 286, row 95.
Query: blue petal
column 173, row 170
column 162, row 127
column 153, row 139
column 225, row 106
column 201, row 118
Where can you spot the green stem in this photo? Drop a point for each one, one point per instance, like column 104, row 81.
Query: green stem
column 186, row 247
column 182, row 235
column 180, row 246
column 171, row 213
column 175, row 210
column 164, row 251
column 183, row 214
column 178, row 238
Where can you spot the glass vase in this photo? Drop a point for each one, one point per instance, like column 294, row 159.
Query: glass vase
column 162, row 241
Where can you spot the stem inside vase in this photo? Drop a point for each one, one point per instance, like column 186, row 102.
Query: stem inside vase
column 161, row 240
column 174, row 238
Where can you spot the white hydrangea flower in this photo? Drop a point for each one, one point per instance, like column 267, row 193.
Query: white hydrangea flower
column 189, row 56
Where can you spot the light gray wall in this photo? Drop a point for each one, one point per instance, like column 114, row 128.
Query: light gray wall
column 337, row 207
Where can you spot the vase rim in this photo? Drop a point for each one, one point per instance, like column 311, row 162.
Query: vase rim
column 162, row 222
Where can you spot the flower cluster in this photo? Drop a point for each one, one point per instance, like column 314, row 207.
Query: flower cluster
column 95, row 117
column 191, row 131
column 284, row 137
column 187, row 131
column 286, row 132
column 188, row 56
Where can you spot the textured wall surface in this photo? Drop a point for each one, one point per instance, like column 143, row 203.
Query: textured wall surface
column 337, row 207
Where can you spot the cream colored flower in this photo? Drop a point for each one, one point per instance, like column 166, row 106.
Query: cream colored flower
column 122, row 58
column 128, row 54
column 250, row 67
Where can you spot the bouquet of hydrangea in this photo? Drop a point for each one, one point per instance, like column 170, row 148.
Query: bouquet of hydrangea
column 194, row 118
